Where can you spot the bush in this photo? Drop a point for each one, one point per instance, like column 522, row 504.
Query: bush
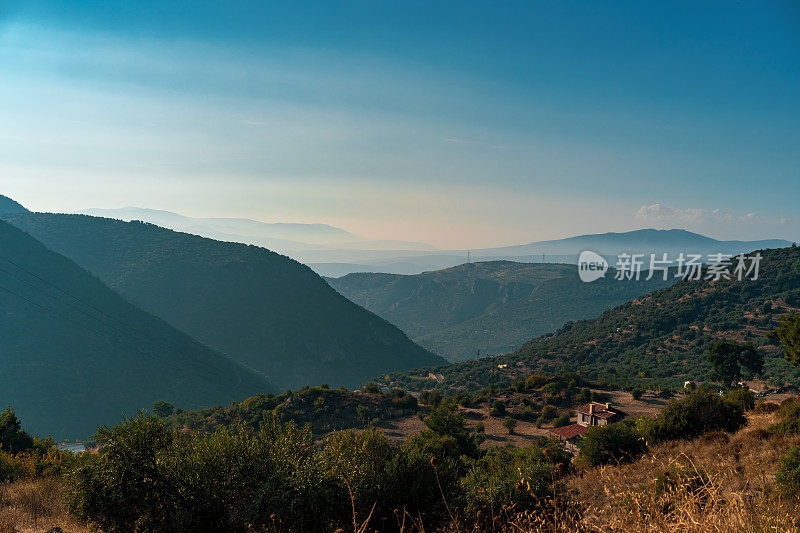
column 741, row 397
column 562, row 420
column 789, row 415
column 509, row 423
column 514, row 477
column 788, row 476
column 697, row 413
column 498, row 409
column 637, row 393
column 611, row 444
column 431, row 398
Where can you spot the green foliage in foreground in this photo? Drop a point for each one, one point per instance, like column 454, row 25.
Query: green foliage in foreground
column 788, row 476
column 147, row 478
column 697, row 413
column 612, row 444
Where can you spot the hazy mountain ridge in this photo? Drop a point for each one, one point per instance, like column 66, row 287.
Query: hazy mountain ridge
column 645, row 241
column 659, row 338
column 262, row 309
column 69, row 365
column 7, row 205
column 493, row 306
column 277, row 236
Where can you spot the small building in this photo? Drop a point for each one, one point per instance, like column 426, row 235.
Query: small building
column 589, row 415
column 598, row 414
column 569, row 435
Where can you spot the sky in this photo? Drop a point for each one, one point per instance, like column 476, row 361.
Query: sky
column 460, row 124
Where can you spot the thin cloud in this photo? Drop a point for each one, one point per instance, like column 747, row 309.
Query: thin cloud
column 663, row 213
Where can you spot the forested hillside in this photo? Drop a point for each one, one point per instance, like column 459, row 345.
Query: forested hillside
column 658, row 339
column 75, row 355
column 260, row 308
column 493, row 306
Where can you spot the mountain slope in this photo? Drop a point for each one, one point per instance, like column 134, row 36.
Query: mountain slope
column 658, row 339
column 7, row 205
column 262, row 309
column 275, row 236
column 493, row 306
column 75, row 359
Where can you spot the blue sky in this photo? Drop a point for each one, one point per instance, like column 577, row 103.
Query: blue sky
column 462, row 124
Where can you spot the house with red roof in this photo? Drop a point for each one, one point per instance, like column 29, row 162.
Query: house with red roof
column 592, row 414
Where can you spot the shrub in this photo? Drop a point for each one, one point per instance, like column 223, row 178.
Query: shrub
column 697, row 413
column 498, row 409
column 637, row 393
column 505, row 477
column 562, row 420
column 741, row 397
column 612, row 443
column 431, row 398
column 509, row 423
column 789, row 415
column 444, row 421
column 788, row 476
column 535, row 381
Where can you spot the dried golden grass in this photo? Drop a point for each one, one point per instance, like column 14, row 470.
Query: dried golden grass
column 34, row 505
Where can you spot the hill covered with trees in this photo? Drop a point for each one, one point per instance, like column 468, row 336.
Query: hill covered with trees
column 74, row 354
column 656, row 340
column 493, row 306
column 262, row 309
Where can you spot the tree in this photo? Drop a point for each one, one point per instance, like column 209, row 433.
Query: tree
column 698, row 412
column 13, row 439
column 612, row 443
column 728, row 359
column 163, row 408
column 509, row 423
column 789, row 334
column 444, row 421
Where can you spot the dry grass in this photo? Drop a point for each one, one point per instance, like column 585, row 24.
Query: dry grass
column 34, row 505
column 716, row 483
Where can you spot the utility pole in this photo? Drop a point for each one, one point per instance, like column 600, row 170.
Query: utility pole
column 468, row 261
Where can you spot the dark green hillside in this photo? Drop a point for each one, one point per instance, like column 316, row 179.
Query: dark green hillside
column 491, row 306
column 263, row 309
column 659, row 339
column 7, row 205
column 69, row 362
column 320, row 408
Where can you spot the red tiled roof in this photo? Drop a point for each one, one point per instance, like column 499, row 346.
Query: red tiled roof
column 600, row 410
column 569, row 432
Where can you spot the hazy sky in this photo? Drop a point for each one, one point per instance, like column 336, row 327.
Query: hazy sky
column 461, row 124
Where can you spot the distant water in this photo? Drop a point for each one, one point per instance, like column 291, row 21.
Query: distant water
column 74, row 447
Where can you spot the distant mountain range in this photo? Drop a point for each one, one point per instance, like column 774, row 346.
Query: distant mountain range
column 646, row 241
column 74, row 354
column 278, row 237
column 487, row 307
column 262, row 309
column 658, row 339
column 335, row 252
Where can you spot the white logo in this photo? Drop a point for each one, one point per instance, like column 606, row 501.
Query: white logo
column 591, row 266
